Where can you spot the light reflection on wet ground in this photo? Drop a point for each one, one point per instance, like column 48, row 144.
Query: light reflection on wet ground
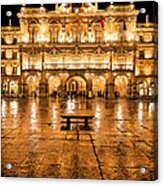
column 119, row 144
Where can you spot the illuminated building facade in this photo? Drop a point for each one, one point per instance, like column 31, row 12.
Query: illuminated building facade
column 80, row 48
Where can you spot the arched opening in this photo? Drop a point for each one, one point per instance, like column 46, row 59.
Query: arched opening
column 76, row 85
column 4, row 87
column 143, row 88
column 13, row 88
column 54, row 83
column 98, row 83
column 33, row 85
column 120, row 85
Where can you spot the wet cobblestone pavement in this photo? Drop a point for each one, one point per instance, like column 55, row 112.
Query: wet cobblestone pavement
column 120, row 142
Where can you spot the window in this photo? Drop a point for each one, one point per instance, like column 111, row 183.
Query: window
column 148, row 53
column 9, row 54
column 148, row 37
column 9, row 39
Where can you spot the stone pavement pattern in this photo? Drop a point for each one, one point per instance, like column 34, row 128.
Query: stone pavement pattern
column 120, row 142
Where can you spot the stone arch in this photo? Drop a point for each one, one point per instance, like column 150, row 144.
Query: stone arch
column 98, row 85
column 32, row 82
column 143, row 87
column 120, row 84
column 76, row 83
column 54, row 83
column 13, row 87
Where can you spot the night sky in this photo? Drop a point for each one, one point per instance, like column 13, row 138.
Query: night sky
column 150, row 6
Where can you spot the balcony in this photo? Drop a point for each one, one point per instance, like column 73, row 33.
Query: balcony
column 31, row 67
column 74, row 66
column 122, row 67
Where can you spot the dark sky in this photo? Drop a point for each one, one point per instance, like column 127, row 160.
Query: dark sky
column 150, row 6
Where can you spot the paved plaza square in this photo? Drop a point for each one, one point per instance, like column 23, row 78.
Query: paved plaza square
column 119, row 143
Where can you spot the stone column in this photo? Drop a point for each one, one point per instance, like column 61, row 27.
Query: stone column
column 62, row 89
column 106, row 90
column 89, row 89
column 134, row 91
column 111, row 91
column 24, row 90
column 129, row 89
column 43, row 89
column 20, row 89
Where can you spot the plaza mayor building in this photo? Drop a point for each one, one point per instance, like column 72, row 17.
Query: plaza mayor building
column 79, row 48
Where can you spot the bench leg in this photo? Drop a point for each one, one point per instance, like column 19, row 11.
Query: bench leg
column 86, row 123
column 68, row 124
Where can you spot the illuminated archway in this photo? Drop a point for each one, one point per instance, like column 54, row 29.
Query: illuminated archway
column 54, row 83
column 98, row 83
column 33, row 84
column 5, row 87
column 143, row 88
column 13, row 88
column 76, row 84
column 120, row 85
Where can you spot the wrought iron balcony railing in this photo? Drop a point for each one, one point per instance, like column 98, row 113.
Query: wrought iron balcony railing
column 122, row 67
column 77, row 66
column 31, row 67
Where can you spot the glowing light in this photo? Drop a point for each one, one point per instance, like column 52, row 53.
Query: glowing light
column 3, row 108
column 9, row 39
column 25, row 38
column 8, row 13
column 151, row 108
column 130, row 36
column 71, row 106
column 114, row 37
column 97, row 123
column 140, row 113
column 33, row 116
column 120, row 115
column 14, row 108
column 33, row 111
column 70, row 39
column 77, row 10
column 54, row 112
column 62, row 37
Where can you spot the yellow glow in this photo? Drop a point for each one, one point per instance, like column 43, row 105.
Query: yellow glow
column 147, row 37
column 9, row 70
column 9, row 39
column 148, row 53
column 25, row 38
column 130, row 36
column 114, row 37
column 9, row 54
column 62, row 37
column 33, row 116
column 120, row 115
column 108, row 37
column 140, row 112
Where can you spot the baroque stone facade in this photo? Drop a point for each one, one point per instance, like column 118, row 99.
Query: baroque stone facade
column 80, row 48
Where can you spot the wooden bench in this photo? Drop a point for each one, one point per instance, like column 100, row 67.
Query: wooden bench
column 69, row 116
